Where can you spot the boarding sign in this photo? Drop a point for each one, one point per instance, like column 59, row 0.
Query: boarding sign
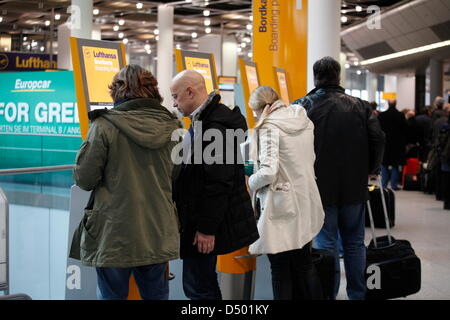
column 201, row 62
column 94, row 64
column 38, row 103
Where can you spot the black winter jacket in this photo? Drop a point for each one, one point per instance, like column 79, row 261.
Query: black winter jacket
column 213, row 198
column 394, row 125
column 348, row 143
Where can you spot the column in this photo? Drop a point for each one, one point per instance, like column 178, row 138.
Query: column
column 165, row 53
column 280, row 39
column 224, row 50
column 324, row 38
column 435, row 79
column 80, row 26
column 371, row 86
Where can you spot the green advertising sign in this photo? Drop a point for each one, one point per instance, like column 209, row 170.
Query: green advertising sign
column 39, row 124
column 38, row 103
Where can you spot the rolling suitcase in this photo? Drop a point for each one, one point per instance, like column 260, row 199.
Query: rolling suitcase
column 393, row 261
column 323, row 260
column 377, row 208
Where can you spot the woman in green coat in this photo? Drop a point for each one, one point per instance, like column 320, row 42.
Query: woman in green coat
column 131, row 225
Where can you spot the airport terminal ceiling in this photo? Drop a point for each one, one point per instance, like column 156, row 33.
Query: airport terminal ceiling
column 34, row 19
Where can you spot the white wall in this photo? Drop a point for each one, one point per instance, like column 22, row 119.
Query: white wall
column 406, row 92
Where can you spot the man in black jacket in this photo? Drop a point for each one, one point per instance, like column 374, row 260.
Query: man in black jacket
column 394, row 125
column 349, row 144
column 211, row 196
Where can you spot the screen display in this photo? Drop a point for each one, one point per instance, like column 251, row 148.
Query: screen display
column 282, row 82
column 100, row 66
column 202, row 66
column 252, row 78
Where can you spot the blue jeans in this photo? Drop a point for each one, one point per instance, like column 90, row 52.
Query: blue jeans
column 200, row 278
column 113, row 283
column 348, row 221
column 390, row 175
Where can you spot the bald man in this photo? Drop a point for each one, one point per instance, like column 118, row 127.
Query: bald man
column 212, row 201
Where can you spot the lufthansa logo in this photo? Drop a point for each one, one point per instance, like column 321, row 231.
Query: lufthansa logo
column 87, row 53
column 4, row 61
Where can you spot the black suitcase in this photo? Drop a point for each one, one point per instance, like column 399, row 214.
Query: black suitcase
column 394, row 262
column 377, row 209
column 323, row 260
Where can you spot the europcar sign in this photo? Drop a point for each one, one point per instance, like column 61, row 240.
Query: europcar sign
column 36, row 103
column 39, row 123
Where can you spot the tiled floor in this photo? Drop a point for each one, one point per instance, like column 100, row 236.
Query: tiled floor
column 422, row 220
column 419, row 219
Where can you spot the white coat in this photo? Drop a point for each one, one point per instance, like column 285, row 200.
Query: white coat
column 291, row 208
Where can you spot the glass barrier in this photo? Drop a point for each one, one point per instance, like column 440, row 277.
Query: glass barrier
column 38, row 232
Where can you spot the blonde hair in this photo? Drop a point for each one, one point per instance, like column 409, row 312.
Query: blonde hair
column 266, row 98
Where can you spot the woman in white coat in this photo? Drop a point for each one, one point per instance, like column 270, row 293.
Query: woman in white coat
column 291, row 213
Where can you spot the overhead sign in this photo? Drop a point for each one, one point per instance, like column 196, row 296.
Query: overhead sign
column 94, row 63
column 250, row 81
column 389, row 95
column 17, row 61
column 280, row 38
column 282, row 86
column 201, row 62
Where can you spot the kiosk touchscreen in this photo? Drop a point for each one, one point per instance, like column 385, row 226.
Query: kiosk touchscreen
column 201, row 62
column 94, row 65
column 250, row 81
column 282, row 86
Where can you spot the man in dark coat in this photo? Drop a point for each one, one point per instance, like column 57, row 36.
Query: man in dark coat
column 348, row 143
column 394, row 125
column 211, row 196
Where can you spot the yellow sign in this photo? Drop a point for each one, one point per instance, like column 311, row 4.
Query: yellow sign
column 389, row 95
column 252, row 78
column 100, row 64
column 203, row 67
column 94, row 65
column 280, row 34
column 250, row 81
column 282, row 86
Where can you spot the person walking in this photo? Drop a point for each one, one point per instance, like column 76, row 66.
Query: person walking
column 394, row 125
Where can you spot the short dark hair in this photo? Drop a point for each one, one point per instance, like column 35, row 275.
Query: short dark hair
column 392, row 103
column 133, row 81
column 326, row 72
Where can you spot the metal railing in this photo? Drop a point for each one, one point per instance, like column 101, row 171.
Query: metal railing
column 4, row 172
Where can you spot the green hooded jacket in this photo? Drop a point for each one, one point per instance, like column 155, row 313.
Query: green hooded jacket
column 126, row 161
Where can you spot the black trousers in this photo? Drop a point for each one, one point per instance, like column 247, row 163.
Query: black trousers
column 294, row 276
column 446, row 189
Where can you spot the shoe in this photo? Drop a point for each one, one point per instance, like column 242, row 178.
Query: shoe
column 396, row 189
column 171, row 276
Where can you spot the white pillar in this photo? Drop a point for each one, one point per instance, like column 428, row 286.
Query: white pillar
column 82, row 18
column 372, row 86
column 165, row 53
column 80, row 26
column 343, row 61
column 211, row 43
column 390, row 83
column 230, row 56
column 324, row 27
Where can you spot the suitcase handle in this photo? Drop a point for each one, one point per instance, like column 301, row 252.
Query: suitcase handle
column 386, row 219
